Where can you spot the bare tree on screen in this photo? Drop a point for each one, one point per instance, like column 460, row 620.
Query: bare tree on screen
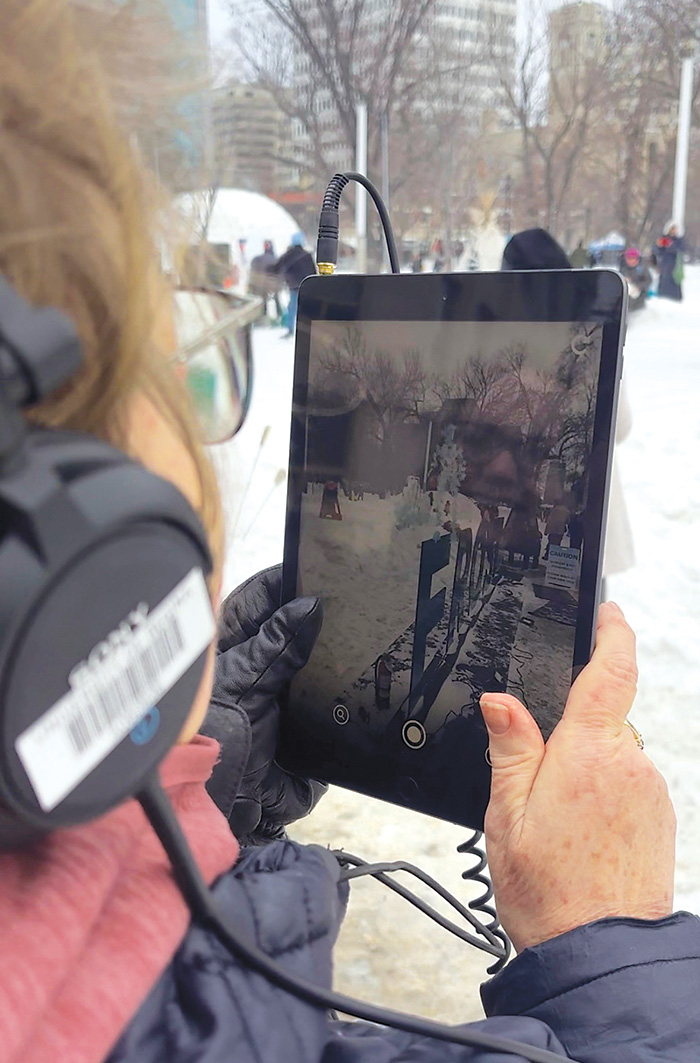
column 393, row 388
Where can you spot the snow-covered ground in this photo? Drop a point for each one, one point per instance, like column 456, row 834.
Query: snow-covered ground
column 660, row 471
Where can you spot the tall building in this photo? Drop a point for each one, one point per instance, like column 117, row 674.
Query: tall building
column 458, row 36
column 248, row 138
column 577, row 38
column 192, row 147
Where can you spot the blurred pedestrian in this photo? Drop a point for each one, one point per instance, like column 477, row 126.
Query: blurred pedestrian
column 295, row 265
column 330, row 504
column 557, row 521
column 669, row 257
column 579, row 257
column 417, row 263
column 438, row 250
column 534, row 249
column 262, row 282
column 638, row 277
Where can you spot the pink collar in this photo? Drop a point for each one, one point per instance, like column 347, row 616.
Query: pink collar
column 90, row 918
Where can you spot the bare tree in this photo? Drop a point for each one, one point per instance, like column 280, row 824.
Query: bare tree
column 479, row 379
column 436, row 126
column 555, row 110
column 352, row 50
column 653, row 37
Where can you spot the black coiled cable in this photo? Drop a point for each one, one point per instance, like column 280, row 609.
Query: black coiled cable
column 479, row 873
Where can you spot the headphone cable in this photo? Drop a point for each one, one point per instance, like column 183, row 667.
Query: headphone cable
column 205, row 909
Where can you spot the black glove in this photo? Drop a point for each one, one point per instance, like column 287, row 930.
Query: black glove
column 261, row 646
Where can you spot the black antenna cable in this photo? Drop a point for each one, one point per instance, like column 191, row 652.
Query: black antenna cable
column 329, row 222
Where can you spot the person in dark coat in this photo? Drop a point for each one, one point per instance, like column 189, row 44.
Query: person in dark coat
column 261, row 281
column 669, row 258
column 295, row 265
column 534, row 249
column 330, row 504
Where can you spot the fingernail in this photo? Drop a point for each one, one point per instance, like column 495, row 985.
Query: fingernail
column 496, row 716
column 614, row 607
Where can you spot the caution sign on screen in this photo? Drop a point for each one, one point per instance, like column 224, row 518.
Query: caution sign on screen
column 562, row 568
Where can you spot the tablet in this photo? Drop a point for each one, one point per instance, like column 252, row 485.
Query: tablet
column 450, row 457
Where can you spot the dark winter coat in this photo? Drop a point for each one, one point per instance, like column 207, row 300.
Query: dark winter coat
column 534, row 249
column 261, row 282
column 668, row 251
column 295, row 265
column 616, row 991
column 640, row 277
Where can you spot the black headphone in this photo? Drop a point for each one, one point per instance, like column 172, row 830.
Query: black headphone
column 102, row 604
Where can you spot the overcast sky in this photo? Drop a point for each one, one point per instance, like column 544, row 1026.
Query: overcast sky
column 219, row 18
column 218, row 21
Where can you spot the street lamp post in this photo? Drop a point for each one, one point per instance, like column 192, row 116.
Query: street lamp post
column 360, row 194
column 680, row 183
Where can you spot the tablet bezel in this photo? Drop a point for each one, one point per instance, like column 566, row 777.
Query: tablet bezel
column 534, row 296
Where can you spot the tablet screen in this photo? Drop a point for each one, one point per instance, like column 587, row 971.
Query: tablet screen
column 442, row 500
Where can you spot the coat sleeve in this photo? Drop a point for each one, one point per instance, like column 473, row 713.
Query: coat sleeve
column 280, row 265
column 614, row 991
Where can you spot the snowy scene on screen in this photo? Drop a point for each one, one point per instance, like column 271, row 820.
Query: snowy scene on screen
column 442, row 515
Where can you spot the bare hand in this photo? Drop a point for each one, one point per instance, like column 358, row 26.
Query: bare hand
column 581, row 828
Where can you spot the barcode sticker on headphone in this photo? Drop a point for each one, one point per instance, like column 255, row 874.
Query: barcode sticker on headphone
column 122, row 679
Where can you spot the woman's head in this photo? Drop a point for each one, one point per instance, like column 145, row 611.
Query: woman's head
column 76, row 232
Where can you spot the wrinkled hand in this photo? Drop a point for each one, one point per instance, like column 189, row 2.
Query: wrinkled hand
column 582, row 828
column 261, row 646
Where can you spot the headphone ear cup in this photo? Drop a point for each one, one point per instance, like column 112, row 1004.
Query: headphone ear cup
column 105, row 626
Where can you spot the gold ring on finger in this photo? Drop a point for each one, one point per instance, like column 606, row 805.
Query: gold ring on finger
column 637, row 736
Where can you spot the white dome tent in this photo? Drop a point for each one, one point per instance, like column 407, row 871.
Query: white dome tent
column 238, row 215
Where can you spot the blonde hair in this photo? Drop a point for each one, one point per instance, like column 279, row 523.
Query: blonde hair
column 77, row 217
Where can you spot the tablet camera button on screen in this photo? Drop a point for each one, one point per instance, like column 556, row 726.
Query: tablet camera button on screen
column 341, row 714
column 413, row 734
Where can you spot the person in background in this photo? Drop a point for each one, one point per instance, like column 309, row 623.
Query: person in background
column 576, row 530
column 669, row 259
column 417, row 263
column 534, row 249
column 638, row 277
column 261, row 281
column 294, row 266
column 557, row 520
column 438, row 250
column 579, row 257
